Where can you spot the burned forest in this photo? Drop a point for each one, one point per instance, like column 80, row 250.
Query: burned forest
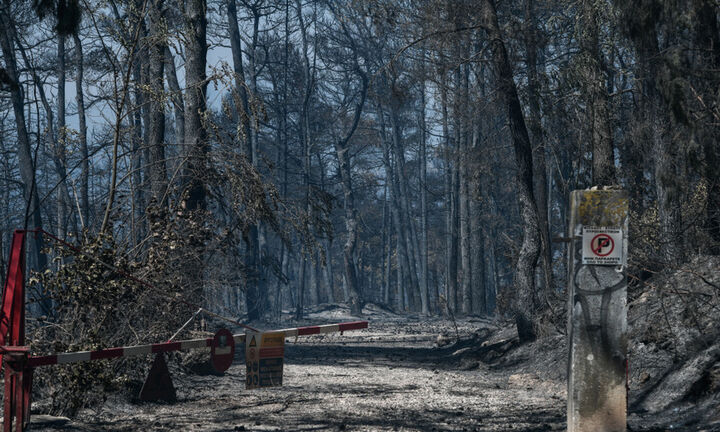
column 360, row 215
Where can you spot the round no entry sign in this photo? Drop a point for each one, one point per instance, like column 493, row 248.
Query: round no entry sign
column 222, row 350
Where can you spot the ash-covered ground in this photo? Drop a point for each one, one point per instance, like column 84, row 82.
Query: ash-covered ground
column 392, row 376
column 410, row 373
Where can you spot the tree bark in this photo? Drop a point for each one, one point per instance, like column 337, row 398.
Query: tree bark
column 195, row 104
column 422, row 157
column 477, row 264
column 240, row 85
column 176, row 97
column 255, row 293
column 82, row 138
column 450, row 207
column 464, row 127
column 668, row 156
column 141, row 124
column 596, row 97
column 536, row 133
column 708, row 39
column 465, row 264
column 156, row 133
column 196, row 134
column 60, row 158
column 387, row 248
column 524, row 280
column 326, row 244
column 300, row 299
column 137, row 151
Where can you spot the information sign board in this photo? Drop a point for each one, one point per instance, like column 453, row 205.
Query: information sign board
column 264, row 358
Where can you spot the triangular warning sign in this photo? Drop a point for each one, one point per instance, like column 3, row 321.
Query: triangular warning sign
column 252, row 342
column 158, row 385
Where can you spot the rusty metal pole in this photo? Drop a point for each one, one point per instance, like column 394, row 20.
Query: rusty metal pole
column 597, row 311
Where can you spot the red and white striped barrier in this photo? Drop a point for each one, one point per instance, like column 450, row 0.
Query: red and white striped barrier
column 18, row 365
column 138, row 350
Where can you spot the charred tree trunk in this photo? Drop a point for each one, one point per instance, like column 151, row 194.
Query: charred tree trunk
column 141, row 119
column 465, row 264
column 524, row 280
column 349, row 250
column 195, row 104
column 708, row 39
column 477, row 264
column 450, row 208
column 536, row 133
column 668, row 155
column 60, row 154
column 342, row 147
column 422, row 158
column 255, row 293
column 464, row 127
column 176, row 97
column 196, row 134
column 387, row 248
column 596, row 97
column 137, row 151
column 156, row 128
column 327, row 247
column 82, row 136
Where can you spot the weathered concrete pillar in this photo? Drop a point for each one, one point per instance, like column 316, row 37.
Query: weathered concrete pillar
column 597, row 318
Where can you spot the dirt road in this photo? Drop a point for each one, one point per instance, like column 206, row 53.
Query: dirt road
column 392, row 376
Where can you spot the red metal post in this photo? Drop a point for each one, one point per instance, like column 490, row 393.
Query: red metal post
column 8, row 400
column 12, row 334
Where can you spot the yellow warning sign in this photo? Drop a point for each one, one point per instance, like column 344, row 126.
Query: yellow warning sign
column 273, row 339
column 264, row 366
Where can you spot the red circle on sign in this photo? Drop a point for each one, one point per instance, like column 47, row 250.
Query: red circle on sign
column 222, row 351
column 596, row 245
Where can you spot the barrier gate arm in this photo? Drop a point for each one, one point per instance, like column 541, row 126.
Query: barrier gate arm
column 18, row 365
column 138, row 350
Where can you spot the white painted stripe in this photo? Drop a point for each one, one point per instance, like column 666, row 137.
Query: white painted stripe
column 193, row 344
column 332, row 328
column 290, row 332
column 137, row 350
column 73, row 357
column 222, row 351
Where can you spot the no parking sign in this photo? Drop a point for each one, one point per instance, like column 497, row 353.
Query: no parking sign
column 602, row 246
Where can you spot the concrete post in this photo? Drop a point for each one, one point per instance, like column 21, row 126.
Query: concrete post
column 597, row 312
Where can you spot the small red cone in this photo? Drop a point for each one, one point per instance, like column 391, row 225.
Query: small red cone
column 158, row 385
